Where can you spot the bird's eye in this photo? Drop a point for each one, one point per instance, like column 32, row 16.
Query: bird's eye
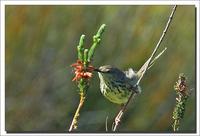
column 108, row 71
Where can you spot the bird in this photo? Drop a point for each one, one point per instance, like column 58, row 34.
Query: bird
column 117, row 85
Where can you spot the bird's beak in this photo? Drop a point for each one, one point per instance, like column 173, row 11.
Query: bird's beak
column 97, row 70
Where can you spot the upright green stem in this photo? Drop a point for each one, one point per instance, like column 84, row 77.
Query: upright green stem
column 96, row 41
column 82, row 70
column 80, row 48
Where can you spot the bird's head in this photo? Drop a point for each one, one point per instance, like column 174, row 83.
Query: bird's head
column 108, row 72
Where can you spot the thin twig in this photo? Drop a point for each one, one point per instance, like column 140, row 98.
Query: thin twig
column 106, row 124
column 76, row 115
column 121, row 112
column 158, row 56
column 148, row 63
column 159, row 42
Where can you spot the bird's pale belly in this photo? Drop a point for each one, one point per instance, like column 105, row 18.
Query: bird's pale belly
column 116, row 95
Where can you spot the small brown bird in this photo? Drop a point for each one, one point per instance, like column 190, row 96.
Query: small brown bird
column 116, row 85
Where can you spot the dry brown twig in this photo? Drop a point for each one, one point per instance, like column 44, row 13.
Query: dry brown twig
column 147, row 64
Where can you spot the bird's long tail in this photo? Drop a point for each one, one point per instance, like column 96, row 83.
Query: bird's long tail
column 140, row 72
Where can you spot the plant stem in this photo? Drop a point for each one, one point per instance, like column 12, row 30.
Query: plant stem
column 74, row 123
column 159, row 42
column 121, row 112
column 182, row 93
column 146, row 66
column 176, row 125
column 83, row 71
column 96, row 42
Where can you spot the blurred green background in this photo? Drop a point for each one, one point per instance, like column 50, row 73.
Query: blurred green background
column 41, row 45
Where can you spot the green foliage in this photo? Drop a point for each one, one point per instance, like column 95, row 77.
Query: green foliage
column 96, row 41
column 85, row 56
column 80, row 48
column 181, row 89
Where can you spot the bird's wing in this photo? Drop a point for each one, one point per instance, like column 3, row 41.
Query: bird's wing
column 131, row 80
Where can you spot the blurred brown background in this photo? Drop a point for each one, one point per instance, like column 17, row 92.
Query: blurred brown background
column 41, row 45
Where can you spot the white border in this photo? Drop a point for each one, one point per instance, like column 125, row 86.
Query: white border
column 86, row 2
column 2, row 93
column 2, row 71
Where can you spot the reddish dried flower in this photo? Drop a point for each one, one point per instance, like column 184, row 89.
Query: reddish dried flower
column 81, row 72
column 181, row 85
